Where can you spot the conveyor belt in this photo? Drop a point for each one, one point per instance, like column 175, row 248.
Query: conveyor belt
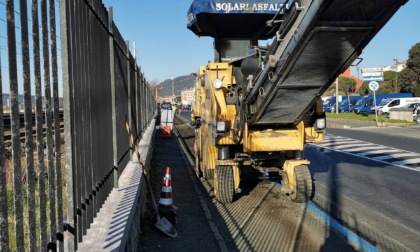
column 326, row 37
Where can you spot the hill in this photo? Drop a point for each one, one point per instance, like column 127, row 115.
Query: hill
column 180, row 83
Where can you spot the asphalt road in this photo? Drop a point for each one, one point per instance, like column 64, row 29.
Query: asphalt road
column 366, row 177
column 259, row 219
column 405, row 138
column 359, row 178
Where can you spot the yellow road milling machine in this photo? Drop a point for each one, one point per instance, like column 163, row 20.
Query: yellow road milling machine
column 259, row 105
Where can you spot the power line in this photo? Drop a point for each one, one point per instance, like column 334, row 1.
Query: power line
column 29, row 20
column 17, row 42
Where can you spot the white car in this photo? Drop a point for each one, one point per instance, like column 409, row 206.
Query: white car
column 398, row 103
column 380, row 105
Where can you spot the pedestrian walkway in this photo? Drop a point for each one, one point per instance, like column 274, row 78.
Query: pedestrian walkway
column 194, row 231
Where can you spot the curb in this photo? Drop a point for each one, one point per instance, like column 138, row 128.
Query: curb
column 354, row 124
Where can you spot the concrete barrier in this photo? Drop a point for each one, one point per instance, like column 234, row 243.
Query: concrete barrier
column 117, row 225
column 403, row 115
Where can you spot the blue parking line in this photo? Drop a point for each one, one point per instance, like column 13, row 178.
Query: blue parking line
column 352, row 237
column 348, row 234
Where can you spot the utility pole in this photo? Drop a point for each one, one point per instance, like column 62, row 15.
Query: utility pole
column 396, row 75
column 173, row 94
column 336, row 95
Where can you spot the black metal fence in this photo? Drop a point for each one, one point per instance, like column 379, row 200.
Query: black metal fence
column 53, row 182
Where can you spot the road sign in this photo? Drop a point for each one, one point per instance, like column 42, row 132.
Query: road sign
column 372, row 70
column 373, row 78
column 373, row 85
column 372, row 74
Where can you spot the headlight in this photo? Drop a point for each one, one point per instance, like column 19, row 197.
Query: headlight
column 320, row 123
column 221, row 126
column 217, row 83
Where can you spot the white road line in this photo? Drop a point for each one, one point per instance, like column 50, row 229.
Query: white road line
column 343, row 144
column 334, row 140
column 364, row 148
column 376, row 160
column 379, row 152
column 407, row 161
column 364, row 145
column 397, row 155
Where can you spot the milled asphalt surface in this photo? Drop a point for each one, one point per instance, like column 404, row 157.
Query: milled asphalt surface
column 261, row 219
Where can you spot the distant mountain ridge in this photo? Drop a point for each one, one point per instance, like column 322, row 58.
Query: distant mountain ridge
column 180, row 83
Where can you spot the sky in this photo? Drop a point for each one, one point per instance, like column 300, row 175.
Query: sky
column 166, row 48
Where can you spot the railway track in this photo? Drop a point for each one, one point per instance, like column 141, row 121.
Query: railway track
column 7, row 126
column 7, row 119
column 22, row 134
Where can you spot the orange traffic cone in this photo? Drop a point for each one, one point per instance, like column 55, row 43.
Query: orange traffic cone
column 166, row 208
column 167, row 131
column 166, row 193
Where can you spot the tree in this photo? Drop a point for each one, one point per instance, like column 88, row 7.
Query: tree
column 345, row 87
column 409, row 78
column 408, row 81
column 364, row 89
column 154, row 88
column 388, row 86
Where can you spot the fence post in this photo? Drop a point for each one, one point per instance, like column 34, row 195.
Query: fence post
column 70, row 229
column 129, row 117
column 4, row 227
column 30, row 172
column 14, row 115
column 136, row 119
column 113, row 95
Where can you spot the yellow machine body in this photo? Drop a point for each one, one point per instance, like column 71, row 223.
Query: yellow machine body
column 211, row 106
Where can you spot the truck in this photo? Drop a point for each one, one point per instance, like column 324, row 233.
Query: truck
column 344, row 103
column 348, row 104
column 368, row 101
column 259, row 105
column 397, row 103
column 330, row 103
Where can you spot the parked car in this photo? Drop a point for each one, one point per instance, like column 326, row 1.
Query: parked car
column 410, row 106
column 416, row 115
column 398, row 103
column 368, row 101
column 377, row 108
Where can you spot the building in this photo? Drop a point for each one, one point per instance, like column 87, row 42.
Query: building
column 398, row 67
column 347, row 74
column 188, row 96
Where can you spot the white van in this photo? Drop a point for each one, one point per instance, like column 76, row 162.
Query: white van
column 398, row 103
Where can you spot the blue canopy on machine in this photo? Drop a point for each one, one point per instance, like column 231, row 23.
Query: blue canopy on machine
column 234, row 19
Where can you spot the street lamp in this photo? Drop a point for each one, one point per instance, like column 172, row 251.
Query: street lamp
column 173, row 87
column 156, row 96
column 396, row 75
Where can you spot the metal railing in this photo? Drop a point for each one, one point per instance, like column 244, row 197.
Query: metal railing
column 57, row 182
